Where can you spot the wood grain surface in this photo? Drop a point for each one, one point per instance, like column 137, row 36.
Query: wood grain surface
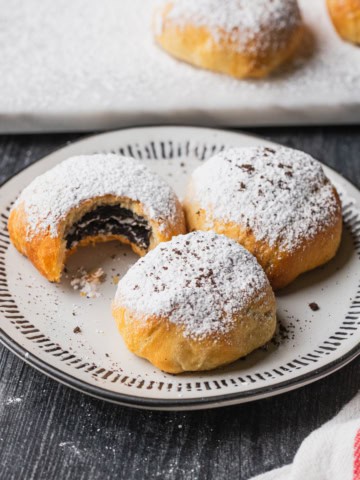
column 48, row 431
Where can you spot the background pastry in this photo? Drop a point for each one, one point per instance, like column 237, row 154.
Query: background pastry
column 276, row 202
column 89, row 199
column 195, row 303
column 345, row 15
column 241, row 38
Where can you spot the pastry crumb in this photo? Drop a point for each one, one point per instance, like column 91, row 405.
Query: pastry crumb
column 115, row 279
column 88, row 282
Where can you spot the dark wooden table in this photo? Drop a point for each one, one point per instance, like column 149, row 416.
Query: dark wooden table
column 53, row 432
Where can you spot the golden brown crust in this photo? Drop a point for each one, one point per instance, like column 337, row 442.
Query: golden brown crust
column 281, row 266
column 48, row 253
column 196, row 45
column 345, row 15
column 165, row 346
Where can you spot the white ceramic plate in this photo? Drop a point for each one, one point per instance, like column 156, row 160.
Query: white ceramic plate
column 38, row 318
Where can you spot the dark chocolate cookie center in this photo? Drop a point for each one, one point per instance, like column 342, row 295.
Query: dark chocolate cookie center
column 110, row 220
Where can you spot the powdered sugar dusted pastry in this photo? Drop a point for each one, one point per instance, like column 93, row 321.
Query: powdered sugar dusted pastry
column 345, row 15
column 243, row 38
column 195, row 303
column 276, row 202
column 89, row 199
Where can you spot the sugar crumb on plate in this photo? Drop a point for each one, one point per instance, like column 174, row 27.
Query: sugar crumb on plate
column 88, row 282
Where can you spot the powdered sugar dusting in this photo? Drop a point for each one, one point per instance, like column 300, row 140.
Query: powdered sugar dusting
column 52, row 195
column 281, row 194
column 197, row 281
column 13, row 400
column 246, row 21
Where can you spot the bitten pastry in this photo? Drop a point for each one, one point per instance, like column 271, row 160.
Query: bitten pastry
column 89, row 199
column 242, row 38
column 345, row 15
column 195, row 303
column 276, row 202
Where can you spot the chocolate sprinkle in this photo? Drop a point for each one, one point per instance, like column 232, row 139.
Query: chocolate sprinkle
column 314, row 306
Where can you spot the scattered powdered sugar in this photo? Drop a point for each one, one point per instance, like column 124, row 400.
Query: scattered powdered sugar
column 197, row 280
column 281, row 194
column 13, row 400
column 246, row 21
column 88, row 282
column 71, row 447
column 51, row 196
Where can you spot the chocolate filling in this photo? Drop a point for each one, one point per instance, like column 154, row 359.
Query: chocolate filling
column 110, row 220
